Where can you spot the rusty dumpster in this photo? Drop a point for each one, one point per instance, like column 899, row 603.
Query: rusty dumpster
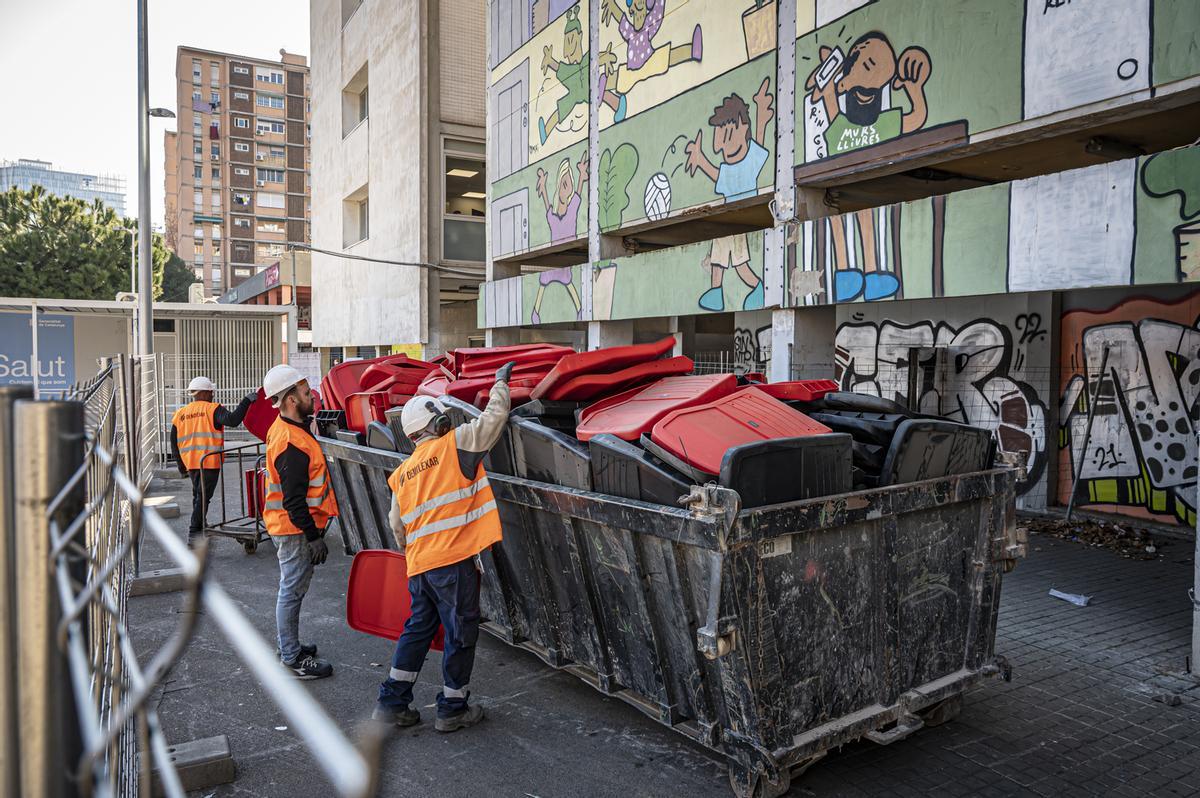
column 769, row 635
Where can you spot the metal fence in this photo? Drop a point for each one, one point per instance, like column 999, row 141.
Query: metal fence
column 234, row 377
column 75, row 699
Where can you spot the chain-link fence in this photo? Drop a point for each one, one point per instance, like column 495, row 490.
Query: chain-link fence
column 75, row 698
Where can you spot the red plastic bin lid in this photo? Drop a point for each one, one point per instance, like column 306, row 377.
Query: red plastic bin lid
column 627, row 415
column 262, row 414
column 589, row 386
column 700, row 435
column 601, row 361
column 799, row 390
column 377, row 597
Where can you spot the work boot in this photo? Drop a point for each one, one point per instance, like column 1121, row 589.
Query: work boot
column 403, row 716
column 468, row 717
column 309, row 667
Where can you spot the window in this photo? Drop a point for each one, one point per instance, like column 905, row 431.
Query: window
column 266, row 200
column 216, row 174
column 215, row 150
column 214, row 72
column 270, row 227
column 196, row 96
column 241, row 146
column 269, row 76
column 195, row 124
column 270, row 175
column 241, row 222
column 356, row 217
column 464, row 195
column 241, row 70
column 199, row 271
column 197, row 199
column 265, row 126
column 241, row 95
column 216, row 275
column 195, row 71
column 216, row 233
column 268, row 100
column 354, row 101
column 241, row 199
column 197, row 148
column 198, row 172
column 348, row 9
column 214, row 98
column 198, row 232
column 241, row 121
column 241, row 170
column 198, row 249
column 276, row 152
column 216, row 200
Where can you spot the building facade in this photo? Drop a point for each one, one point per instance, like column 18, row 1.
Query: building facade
column 987, row 213
column 237, row 184
column 398, row 174
column 25, row 173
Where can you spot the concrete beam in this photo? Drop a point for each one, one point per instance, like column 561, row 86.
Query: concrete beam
column 163, row 580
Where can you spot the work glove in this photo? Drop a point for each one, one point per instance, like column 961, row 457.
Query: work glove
column 251, row 397
column 317, row 551
column 505, row 371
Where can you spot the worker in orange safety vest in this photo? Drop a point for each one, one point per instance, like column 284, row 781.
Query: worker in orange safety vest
column 197, row 440
column 443, row 514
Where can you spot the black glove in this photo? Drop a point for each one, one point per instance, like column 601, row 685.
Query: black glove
column 317, row 551
column 251, row 398
column 505, row 371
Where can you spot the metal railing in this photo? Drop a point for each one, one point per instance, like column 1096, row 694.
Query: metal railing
column 75, row 699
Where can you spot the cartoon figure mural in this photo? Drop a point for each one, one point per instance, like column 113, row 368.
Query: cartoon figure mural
column 572, row 72
column 1141, row 455
column 850, row 98
column 563, row 277
column 562, row 210
column 742, row 159
column 1165, row 177
column 639, row 23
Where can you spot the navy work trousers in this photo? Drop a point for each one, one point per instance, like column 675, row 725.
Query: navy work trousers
column 448, row 595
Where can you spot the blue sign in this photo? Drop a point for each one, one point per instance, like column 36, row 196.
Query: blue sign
column 56, row 350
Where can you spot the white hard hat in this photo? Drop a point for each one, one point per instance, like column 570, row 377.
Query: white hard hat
column 279, row 379
column 418, row 412
column 201, row 384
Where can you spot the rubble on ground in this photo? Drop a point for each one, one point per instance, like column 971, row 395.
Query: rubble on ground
column 1124, row 539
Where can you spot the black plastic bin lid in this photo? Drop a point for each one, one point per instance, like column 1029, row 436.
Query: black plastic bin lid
column 619, row 468
column 548, row 455
column 380, row 437
column 782, row 470
column 929, row 449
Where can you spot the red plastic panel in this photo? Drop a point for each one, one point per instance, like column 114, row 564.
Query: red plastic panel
column 700, row 435
column 799, row 390
column 496, row 356
column 255, row 483
column 364, row 407
column 260, row 416
column 377, row 597
column 434, row 384
column 627, row 415
column 516, row 396
column 541, row 360
column 589, row 386
column 602, row 361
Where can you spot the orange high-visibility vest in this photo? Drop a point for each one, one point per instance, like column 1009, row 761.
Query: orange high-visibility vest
column 198, row 435
column 320, row 499
column 447, row 516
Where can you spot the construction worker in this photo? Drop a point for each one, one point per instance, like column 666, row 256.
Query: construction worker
column 443, row 514
column 197, row 438
column 299, row 505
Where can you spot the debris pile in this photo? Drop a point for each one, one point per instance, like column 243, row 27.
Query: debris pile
column 1124, row 539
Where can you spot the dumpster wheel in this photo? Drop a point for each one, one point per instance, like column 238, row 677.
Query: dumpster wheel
column 748, row 783
column 943, row 711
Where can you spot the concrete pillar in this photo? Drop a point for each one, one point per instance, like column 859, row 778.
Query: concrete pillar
column 502, row 336
column 684, row 330
column 802, row 343
column 609, row 333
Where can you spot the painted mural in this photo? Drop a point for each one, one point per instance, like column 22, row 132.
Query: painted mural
column 1140, row 458
column 688, row 97
column 1121, row 223
column 539, row 97
column 875, row 80
column 992, row 372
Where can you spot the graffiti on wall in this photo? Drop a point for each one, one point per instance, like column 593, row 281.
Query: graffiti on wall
column 973, row 373
column 751, row 348
column 1140, row 458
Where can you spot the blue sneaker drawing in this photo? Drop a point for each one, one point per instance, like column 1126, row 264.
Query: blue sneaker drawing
column 754, row 299
column 621, row 109
column 713, row 299
column 542, row 130
column 880, row 285
column 847, row 285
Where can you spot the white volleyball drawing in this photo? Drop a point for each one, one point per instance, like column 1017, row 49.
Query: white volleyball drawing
column 658, row 196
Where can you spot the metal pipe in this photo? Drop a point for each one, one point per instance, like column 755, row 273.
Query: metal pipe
column 35, row 364
column 1087, row 434
column 9, row 727
column 145, row 292
column 50, row 437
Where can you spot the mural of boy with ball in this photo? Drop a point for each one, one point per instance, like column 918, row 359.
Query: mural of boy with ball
column 743, row 157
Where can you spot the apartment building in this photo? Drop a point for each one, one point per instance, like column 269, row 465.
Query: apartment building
column 988, row 213
column 398, row 174
column 237, row 185
column 25, row 173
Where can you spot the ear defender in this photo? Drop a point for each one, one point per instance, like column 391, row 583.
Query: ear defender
column 441, row 425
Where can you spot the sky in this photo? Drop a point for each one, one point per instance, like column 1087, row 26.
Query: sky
column 68, row 74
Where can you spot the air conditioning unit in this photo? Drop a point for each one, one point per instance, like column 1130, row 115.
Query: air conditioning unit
column 260, row 157
column 260, row 183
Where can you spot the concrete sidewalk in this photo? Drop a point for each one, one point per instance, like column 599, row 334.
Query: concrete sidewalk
column 1079, row 718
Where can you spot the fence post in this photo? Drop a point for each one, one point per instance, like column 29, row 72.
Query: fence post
column 50, row 438
column 9, row 729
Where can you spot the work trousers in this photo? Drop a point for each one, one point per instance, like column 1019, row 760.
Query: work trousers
column 204, row 484
column 448, row 595
column 295, row 574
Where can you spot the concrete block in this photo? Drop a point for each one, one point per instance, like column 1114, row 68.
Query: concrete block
column 200, row 763
column 164, row 580
column 166, row 506
column 167, row 474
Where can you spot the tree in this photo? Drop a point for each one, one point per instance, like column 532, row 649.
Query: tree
column 64, row 248
column 177, row 278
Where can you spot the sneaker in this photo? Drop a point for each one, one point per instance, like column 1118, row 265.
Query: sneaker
column 396, row 717
column 307, row 668
column 469, row 717
column 306, row 650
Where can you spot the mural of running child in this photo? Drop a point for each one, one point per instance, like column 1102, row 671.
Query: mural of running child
column 562, row 210
column 638, row 23
column 742, row 160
